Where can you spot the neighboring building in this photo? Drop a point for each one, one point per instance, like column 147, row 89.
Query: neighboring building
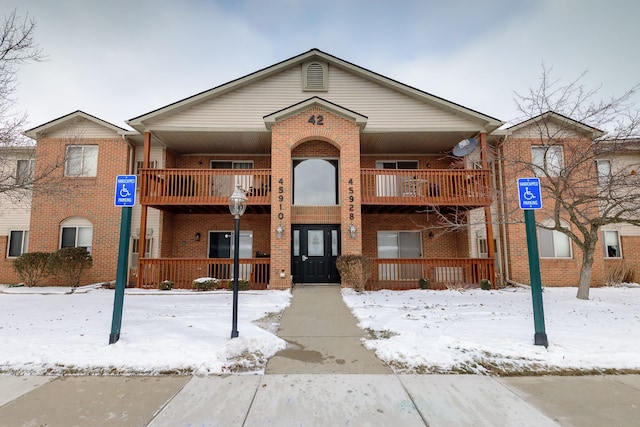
column 557, row 143
column 335, row 159
column 16, row 170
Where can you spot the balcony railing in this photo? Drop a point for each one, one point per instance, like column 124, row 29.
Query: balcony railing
column 183, row 271
column 203, row 186
column 453, row 187
column 395, row 274
column 443, row 273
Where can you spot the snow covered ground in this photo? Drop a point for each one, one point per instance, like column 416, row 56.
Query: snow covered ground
column 492, row 331
column 47, row 330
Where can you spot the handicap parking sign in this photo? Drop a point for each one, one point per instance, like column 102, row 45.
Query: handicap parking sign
column 125, row 195
column 529, row 193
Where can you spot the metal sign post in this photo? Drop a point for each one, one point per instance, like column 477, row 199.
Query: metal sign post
column 125, row 196
column 530, row 198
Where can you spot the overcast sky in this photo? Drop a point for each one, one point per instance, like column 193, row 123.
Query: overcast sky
column 118, row 59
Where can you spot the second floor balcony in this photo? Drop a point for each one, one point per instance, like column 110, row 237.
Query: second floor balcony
column 208, row 190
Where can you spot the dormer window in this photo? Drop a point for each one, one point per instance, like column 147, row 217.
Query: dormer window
column 314, row 76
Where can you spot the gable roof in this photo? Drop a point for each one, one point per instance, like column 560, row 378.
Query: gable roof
column 559, row 119
column 489, row 123
column 60, row 122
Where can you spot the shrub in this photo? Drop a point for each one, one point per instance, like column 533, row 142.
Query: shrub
column 69, row 264
column 619, row 272
column 165, row 285
column 354, row 270
column 243, row 285
column 424, row 283
column 485, row 284
column 32, row 267
column 205, row 284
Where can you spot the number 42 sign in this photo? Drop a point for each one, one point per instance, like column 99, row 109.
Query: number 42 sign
column 529, row 193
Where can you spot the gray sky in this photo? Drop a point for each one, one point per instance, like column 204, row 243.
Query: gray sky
column 117, row 59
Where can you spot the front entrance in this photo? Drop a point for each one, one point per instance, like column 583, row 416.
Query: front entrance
column 314, row 250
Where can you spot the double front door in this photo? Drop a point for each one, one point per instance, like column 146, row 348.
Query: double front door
column 314, row 250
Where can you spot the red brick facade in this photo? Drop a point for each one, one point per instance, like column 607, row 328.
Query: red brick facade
column 90, row 198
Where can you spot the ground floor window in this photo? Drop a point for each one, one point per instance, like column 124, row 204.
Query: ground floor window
column 611, row 241
column 18, row 243
column 553, row 243
column 395, row 245
column 135, row 250
column 76, row 232
column 221, row 245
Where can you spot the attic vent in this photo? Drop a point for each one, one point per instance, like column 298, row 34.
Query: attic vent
column 315, row 76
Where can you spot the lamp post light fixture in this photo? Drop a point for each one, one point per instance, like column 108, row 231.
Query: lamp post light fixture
column 237, row 206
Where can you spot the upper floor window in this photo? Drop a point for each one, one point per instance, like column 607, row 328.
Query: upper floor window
column 315, row 182
column 547, row 159
column 24, row 172
column 611, row 241
column 82, row 160
column 76, row 232
column 604, row 172
column 553, row 243
column 18, row 243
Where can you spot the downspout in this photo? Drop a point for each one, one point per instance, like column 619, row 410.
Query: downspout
column 503, row 225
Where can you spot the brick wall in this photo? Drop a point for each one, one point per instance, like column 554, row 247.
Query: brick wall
column 441, row 245
column 204, row 161
column 186, row 226
column 7, row 273
column 295, row 136
column 424, row 162
column 60, row 197
column 630, row 263
column 554, row 272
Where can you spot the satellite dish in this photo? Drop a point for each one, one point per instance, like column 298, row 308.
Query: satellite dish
column 465, row 147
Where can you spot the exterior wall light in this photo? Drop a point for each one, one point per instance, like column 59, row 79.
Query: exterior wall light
column 352, row 231
column 197, row 237
column 279, row 231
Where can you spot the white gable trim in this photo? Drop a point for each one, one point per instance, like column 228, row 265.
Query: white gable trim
column 271, row 119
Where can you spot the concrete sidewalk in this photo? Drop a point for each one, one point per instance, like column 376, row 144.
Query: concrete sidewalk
column 320, row 400
column 325, row 378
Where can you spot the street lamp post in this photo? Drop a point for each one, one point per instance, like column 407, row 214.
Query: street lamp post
column 237, row 205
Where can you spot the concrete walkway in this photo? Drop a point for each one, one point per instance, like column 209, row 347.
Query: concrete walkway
column 325, row 378
column 322, row 336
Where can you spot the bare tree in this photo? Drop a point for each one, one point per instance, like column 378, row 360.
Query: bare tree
column 17, row 46
column 574, row 188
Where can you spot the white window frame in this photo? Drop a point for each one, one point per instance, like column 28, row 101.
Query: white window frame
column 24, row 243
column 550, row 159
column 22, row 179
column 81, row 225
column 85, row 171
column 604, row 172
column 605, row 245
column 555, row 236
column 153, row 164
column 135, row 246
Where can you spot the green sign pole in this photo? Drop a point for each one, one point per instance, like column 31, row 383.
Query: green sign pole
column 121, row 275
column 540, row 337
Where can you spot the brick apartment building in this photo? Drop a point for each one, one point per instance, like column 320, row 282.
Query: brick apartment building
column 333, row 158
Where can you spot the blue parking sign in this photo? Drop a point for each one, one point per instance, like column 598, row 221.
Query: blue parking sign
column 125, row 195
column 529, row 193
